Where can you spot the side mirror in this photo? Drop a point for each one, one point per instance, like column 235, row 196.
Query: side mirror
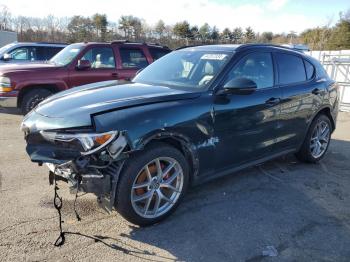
column 6, row 57
column 243, row 86
column 83, row 64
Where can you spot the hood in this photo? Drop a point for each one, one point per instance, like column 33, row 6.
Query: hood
column 27, row 66
column 74, row 107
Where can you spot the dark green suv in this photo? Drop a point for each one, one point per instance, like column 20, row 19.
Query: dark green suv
column 194, row 114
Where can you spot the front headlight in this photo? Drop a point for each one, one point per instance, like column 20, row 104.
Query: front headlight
column 87, row 143
column 5, row 84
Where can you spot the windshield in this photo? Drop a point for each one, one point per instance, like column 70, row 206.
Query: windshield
column 184, row 68
column 4, row 49
column 66, row 55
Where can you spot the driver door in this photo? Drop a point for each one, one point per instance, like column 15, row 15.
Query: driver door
column 246, row 125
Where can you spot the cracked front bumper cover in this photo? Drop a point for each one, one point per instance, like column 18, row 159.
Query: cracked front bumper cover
column 92, row 170
column 96, row 173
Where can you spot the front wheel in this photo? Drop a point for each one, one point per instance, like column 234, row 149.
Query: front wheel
column 317, row 140
column 33, row 98
column 152, row 184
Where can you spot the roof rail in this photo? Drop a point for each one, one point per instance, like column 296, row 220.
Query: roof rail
column 140, row 43
column 268, row 45
column 120, row 41
column 150, row 43
column 50, row 43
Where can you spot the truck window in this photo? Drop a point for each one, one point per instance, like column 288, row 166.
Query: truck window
column 100, row 57
column 51, row 51
column 40, row 53
column 21, row 53
column 157, row 53
column 133, row 58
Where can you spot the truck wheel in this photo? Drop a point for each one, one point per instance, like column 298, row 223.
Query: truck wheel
column 317, row 140
column 33, row 98
column 152, row 184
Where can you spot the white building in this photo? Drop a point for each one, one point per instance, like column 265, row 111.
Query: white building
column 7, row 37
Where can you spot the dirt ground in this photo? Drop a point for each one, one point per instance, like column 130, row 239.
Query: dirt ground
column 302, row 210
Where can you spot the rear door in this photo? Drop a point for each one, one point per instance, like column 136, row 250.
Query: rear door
column 103, row 66
column 300, row 98
column 246, row 124
column 131, row 60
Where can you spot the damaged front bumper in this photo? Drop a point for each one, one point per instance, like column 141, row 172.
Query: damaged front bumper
column 101, row 182
column 96, row 172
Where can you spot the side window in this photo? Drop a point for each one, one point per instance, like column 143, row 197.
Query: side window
column 40, row 53
column 257, row 67
column 21, row 53
column 290, row 69
column 310, row 70
column 157, row 53
column 320, row 71
column 100, row 57
column 52, row 51
column 133, row 58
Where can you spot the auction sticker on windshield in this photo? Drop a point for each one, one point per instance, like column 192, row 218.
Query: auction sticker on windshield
column 214, row 56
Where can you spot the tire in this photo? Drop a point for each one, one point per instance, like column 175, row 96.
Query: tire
column 127, row 198
column 308, row 151
column 33, row 98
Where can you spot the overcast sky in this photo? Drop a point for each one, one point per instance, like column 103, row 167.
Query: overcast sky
column 264, row 15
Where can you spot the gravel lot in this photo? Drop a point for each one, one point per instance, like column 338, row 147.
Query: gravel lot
column 302, row 210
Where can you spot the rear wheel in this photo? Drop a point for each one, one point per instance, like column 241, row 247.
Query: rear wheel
column 152, row 184
column 317, row 140
column 33, row 98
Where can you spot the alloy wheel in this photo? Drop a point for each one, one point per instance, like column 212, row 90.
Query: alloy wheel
column 320, row 139
column 157, row 187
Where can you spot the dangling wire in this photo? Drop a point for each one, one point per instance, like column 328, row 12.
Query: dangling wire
column 58, row 205
column 75, row 200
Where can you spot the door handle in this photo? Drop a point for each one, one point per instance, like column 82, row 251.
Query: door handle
column 115, row 74
column 316, row 91
column 273, row 101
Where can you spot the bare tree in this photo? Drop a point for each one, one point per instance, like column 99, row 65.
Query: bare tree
column 5, row 18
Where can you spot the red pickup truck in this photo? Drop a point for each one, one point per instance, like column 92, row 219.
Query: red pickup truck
column 25, row 85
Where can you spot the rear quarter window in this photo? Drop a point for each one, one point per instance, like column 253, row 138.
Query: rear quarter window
column 290, row 69
column 310, row 70
column 320, row 71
